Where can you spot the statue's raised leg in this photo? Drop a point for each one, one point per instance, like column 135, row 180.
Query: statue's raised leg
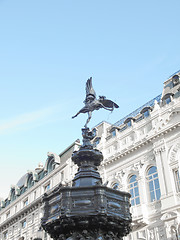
column 89, row 118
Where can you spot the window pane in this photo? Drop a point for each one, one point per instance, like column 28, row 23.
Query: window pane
column 136, row 192
column 155, row 175
column 132, row 202
column 152, row 196
column 132, row 179
column 151, row 187
column 146, row 113
column 137, row 200
column 168, row 100
column 152, row 170
column 158, row 194
column 156, row 182
column 132, row 193
column 150, row 177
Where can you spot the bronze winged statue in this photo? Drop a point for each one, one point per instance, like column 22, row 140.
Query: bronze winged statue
column 92, row 103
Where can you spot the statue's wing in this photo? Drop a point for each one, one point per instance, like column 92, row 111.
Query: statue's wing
column 108, row 103
column 89, row 88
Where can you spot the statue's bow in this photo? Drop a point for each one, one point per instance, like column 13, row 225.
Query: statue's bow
column 92, row 103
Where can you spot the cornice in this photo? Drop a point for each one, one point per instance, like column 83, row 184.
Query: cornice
column 136, row 146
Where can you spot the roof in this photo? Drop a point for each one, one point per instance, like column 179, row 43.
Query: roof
column 138, row 110
column 22, row 180
column 173, row 74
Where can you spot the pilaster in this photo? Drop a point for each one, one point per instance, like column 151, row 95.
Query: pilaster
column 161, row 170
column 164, row 178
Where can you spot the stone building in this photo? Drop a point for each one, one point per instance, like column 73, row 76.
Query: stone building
column 141, row 155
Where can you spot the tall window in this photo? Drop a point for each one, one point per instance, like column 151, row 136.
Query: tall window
column 23, row 223
column 46, row 187
column 5, row 235
column 177, row 180
column 134, row 190
column 34, row 195
column 25, row 202
column 153, row 181
column 8, row 214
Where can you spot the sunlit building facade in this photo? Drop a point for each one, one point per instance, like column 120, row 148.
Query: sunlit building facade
column 141, row 156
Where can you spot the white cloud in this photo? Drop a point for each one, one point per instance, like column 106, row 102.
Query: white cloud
column 26, row 118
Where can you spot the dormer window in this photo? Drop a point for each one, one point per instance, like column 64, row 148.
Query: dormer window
column 113, row 133
column 129, row 121
column 167, row 98
column 175, row 80
column 146, row 112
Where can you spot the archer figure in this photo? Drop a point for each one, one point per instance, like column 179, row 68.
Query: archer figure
column 92, row 103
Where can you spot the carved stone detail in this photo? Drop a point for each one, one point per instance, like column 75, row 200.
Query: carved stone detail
column 174, row 151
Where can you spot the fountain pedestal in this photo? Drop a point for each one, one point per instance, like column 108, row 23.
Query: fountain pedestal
column 88, row 209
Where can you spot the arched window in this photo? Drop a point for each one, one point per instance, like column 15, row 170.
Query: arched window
column 134, row 190
column 153, row 182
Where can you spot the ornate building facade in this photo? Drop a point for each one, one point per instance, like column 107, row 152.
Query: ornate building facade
column 141, row 156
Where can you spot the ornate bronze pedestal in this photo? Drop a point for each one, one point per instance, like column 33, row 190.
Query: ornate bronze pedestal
column 88, row 209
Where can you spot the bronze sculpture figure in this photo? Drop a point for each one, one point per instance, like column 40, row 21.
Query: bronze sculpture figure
column 92, row 103
column 89, row 210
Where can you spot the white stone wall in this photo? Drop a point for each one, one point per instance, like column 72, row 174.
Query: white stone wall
column 153, row 141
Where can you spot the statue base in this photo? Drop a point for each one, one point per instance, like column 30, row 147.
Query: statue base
column 87, row 210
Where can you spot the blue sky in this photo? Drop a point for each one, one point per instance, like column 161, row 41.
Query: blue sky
column 48, row 49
